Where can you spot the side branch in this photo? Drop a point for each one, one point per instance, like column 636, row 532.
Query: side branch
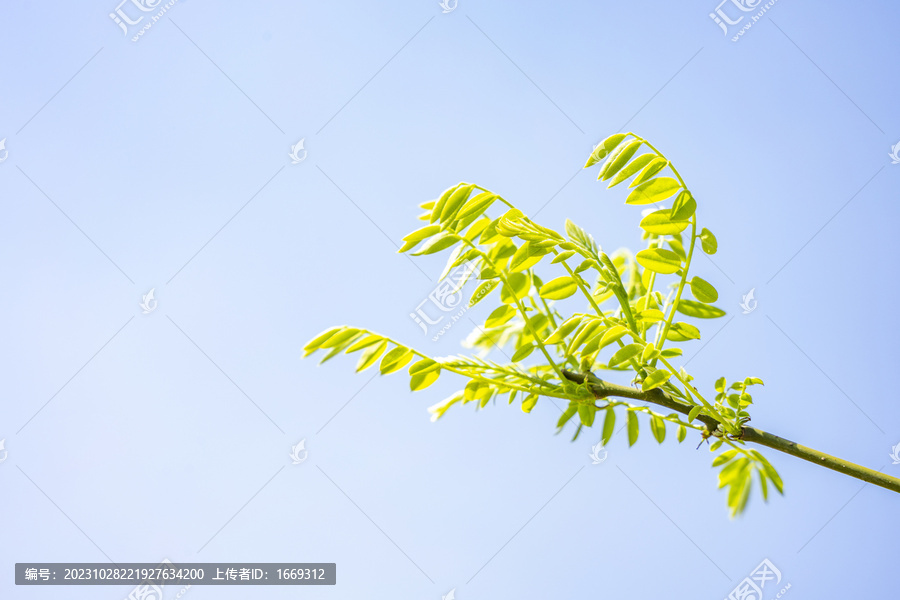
column 757, row 436
column 603, row 389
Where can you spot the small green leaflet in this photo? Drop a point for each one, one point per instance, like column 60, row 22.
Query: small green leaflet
column 655, row 190
column 603, row 149
column 703, row 290
column 708, row 241
column 655, row 379
column 559, row 288
column 699, row 310
column 659, row 260
column 684, row 206
column 661, row 223
column 632, row 428
column 625, row 353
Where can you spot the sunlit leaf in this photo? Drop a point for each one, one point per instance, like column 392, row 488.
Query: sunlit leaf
column 703, row 290
column 708, row 241
column 559, row 288
column 659, row 260
column 699, row 310
column 654, row 190
column 603, row 149
column 661, row 223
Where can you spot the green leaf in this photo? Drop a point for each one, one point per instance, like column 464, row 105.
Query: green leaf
column 658, row 427
column 363, row 343
column 476, row 205
column 617, row 160
column 437, row 411
column 586, row 412
column 438, row 207
column 526, row 257
column 395, row 360
column 412, row 240
column 515, row 288
column 559, row 288
column 339, row 338
column 563, row 256
column 437, row 243
column 316, row 343
column 703, row 290
column 567, row 415
column 499, row 316
column 612, row 334
column 671, row 352
column 682, row 332
column 724, row 457
column 653, row 167
column 684, row 206
column 609, row 425
column 631, row 168
column 682, row 433
column 625, row 353
column 708, row 241
column 661, row 223
column 659, row 260
column 455, row 202
column 654, row 190
column 603, row 149
column 632, row 422
column 732, row 470
column 523, row 352
column 655, row 379
column 649, row 352
column 580, row 237
column 529, row 402
column 420, row 381
column 371, row 355
column 694, row 412
column 699, row 310
column 426, row 365
column 481, row 292
column 567, row 327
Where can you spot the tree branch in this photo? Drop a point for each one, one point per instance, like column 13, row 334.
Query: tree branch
column 603, row 389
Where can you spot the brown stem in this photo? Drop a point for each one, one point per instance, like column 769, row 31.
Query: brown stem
column 603, row 389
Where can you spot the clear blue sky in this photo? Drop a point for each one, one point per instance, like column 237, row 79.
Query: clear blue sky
column 163, row 164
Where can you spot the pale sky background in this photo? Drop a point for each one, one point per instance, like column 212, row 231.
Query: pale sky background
column 164, row 164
